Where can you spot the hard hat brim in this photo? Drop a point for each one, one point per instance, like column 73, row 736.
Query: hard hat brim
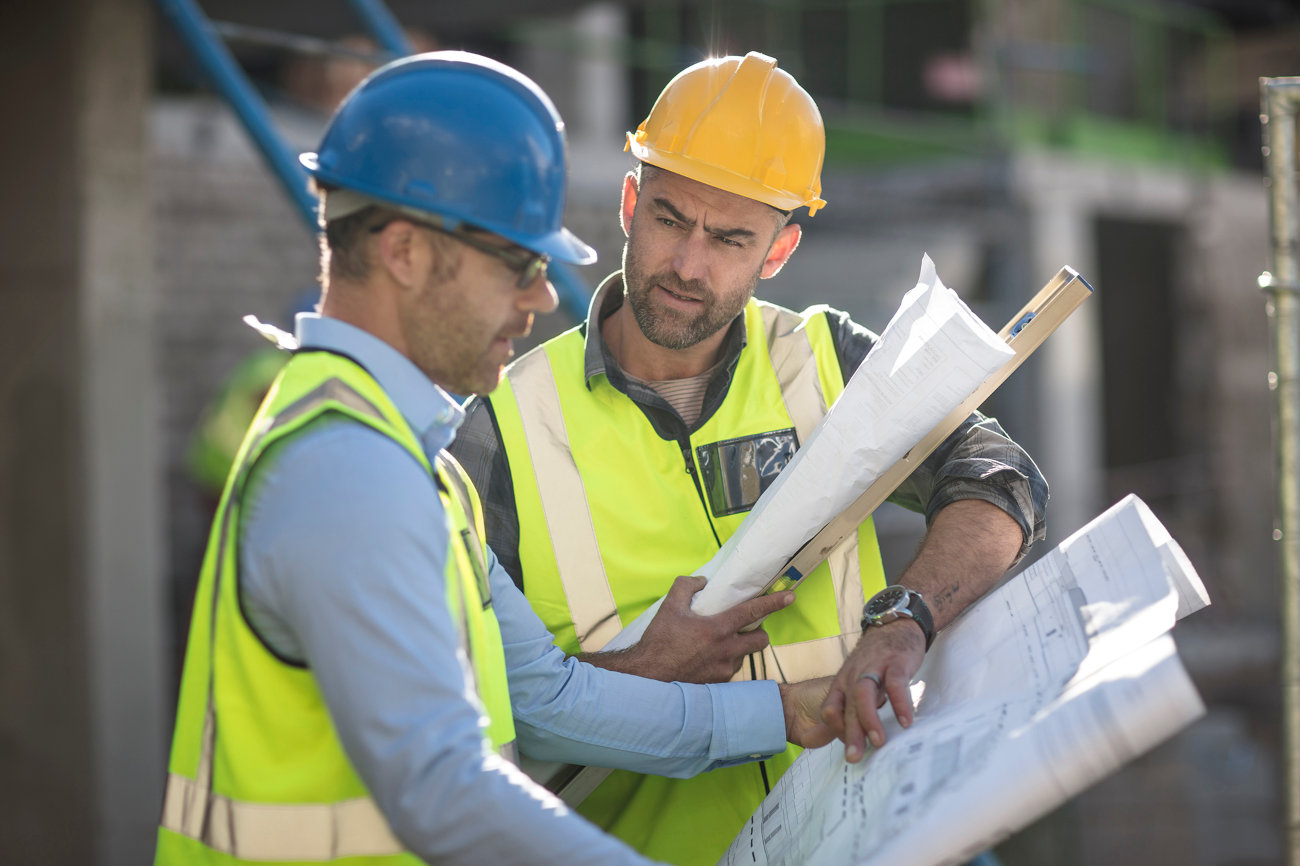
column 562, row 245
column 727, row 181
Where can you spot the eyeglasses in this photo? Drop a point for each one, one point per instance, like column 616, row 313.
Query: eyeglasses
column 529, row 265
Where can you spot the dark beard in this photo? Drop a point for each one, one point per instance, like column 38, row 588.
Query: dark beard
column 672, row 329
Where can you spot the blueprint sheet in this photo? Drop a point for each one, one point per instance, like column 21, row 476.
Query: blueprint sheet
column 933, row 354
column 1049, row 684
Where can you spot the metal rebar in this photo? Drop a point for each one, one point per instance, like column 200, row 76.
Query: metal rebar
column 1280, row 98
column 306, row 45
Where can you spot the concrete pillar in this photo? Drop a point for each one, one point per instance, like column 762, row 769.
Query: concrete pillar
column 122, row 440
column 82, row 736
column 1069, row 449
column 601, row 110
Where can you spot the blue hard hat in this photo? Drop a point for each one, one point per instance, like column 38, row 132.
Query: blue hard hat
column 460, row 136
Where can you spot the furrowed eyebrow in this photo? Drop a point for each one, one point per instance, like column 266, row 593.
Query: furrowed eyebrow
column 664, row 205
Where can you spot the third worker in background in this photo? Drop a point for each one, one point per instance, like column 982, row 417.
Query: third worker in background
column 632, row 446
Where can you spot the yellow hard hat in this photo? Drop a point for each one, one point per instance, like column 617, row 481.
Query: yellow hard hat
column 741, row 125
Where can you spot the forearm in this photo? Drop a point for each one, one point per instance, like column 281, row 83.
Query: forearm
column 569, row 711
column 969, row 546
column 979, row 461
column 632, row 661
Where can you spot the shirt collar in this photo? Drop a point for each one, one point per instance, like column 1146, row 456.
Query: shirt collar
column 433, row 414
column 598, row 359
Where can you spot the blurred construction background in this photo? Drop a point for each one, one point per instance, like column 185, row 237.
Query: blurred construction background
column 1005, row 137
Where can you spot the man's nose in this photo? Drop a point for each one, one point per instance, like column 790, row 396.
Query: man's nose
column 690, row 258
column 538, row 296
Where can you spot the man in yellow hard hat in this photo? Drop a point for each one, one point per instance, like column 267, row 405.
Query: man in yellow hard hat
column 633, row 446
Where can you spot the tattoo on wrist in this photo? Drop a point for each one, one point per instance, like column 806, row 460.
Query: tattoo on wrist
column 946, row 595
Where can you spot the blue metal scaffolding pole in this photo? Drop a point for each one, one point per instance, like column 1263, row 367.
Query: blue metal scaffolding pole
column 229, row 79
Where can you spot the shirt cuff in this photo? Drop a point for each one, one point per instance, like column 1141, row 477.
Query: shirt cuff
column 748, row 722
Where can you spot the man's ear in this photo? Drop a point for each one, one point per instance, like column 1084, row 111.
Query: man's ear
column 787, row 240
column 397, row 252
column 628, row 202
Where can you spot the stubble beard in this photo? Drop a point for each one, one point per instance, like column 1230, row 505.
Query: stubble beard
column 452, row 359
column 669, row 328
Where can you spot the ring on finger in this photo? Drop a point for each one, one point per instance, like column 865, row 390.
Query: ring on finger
column 875, row 679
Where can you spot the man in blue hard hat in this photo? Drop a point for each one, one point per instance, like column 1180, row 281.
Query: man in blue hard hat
column 359, row 668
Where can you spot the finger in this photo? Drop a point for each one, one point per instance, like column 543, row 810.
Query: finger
column 756, row 609
column 854, row 736
column 680, row 593
column 746, row 642
column 867, row 697
column 900, row 698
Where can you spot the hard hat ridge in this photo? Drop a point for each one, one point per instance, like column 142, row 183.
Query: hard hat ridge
column 460, row 136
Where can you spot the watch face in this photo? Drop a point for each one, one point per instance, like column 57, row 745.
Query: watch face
column 891, row 598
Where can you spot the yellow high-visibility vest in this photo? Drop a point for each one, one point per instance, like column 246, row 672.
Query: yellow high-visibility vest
column 257, row 773
column 610, row 513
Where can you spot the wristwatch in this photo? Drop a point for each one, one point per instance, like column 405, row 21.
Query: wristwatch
column 895, row 601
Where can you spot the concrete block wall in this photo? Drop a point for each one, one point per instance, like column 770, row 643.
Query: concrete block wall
column 228, row 242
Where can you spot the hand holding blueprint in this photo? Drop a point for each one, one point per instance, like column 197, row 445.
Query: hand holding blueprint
column 933, row 354
column 1047, row 685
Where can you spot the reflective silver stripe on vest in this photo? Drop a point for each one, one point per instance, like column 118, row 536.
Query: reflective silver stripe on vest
column 564, row 505
column 801, row 389
column 796, row 369
column 804, row 660
column 846, row 576
column 331, row 389
column 458, row 482
column 255, row 831
column 261, row 831
column 451, row 468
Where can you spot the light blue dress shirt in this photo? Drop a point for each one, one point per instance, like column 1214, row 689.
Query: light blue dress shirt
column 342, row 550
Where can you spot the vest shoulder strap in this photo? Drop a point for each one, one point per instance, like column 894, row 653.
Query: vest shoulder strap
column 792, row 343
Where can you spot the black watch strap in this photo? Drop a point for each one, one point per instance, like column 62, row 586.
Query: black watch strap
column 897, row 601
column 921, row 613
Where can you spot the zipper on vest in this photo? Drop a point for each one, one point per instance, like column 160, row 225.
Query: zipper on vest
column 685, row 445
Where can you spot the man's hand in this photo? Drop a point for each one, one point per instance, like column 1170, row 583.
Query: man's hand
column 970, row 544
column 682, row 646
column 802, row 704
column 880, row 668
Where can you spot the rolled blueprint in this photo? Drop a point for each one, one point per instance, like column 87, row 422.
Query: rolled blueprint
column 1050, row 683
column 933, row 354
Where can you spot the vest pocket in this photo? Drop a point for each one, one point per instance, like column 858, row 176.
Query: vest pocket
column 735, row 472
